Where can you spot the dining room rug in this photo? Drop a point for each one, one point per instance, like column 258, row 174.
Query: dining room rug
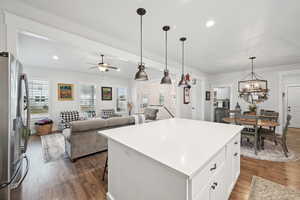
column 271, row 152
column 53, row 147
column 268, row 190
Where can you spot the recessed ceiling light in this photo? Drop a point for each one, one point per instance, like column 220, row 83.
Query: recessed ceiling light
column 210, row 23
column 55, row 57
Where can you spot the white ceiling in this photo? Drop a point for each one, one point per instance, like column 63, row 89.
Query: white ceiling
column 38, row 52
column 268, row 29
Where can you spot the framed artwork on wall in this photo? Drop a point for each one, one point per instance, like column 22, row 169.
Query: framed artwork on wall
column 186, row 95
column 207, row 95
column 106, row 93
column 65, row 92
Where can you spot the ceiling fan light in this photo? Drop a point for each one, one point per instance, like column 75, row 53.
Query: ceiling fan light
column 141, row 75
column 166, row 78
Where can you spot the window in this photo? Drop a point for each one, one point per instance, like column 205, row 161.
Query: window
column 87, row 98
column 39, row 96
column 121, row 99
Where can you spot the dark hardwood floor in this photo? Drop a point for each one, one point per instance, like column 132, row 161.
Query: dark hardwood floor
column 64, row 180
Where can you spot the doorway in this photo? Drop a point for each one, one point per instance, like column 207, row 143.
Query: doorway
column 220, row 102
column 293, row 105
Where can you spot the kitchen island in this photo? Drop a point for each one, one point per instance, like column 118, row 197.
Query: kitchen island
column 174, row 159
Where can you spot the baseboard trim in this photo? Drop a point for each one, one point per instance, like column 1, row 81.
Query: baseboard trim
column 109, row 196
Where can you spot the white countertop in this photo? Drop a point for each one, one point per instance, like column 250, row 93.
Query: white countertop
column 182, row 144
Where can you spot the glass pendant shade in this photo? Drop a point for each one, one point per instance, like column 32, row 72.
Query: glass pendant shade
column 141, row 75
column 166, row 78
column 254, row 89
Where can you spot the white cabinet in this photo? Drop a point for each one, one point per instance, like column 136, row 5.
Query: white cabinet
column 233, row 164
column 218, row 183
column 204, row 193
column 170, row 160
column 236, row 162
column 222, row 93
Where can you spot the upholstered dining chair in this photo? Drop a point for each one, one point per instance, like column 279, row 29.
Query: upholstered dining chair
column 271, row 116
column 250, row 132
column 279, row 138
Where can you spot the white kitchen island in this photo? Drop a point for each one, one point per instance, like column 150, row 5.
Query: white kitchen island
column 174, row 159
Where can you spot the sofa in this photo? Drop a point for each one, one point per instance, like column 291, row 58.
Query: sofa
column 81, row 137
column 66, row 117
column 108, row 113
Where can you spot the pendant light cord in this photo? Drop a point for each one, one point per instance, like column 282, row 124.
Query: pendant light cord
column 183, row 57
column 166, row 50
column 141, row 42
column 252, row 73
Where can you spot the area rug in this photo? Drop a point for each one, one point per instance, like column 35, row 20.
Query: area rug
column 53, row 146
column 262, row 189
column 271, row 152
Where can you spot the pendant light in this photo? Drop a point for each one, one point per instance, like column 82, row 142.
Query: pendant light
column 166, row 78
column 141, row 75
column 182, row 81
column 254, row 89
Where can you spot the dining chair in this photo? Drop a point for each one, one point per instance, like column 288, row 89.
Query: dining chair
column 234, row 114
column 280, row 138
column 270, row 116
column 250, row 132
column 249, row 113
column 266, row 112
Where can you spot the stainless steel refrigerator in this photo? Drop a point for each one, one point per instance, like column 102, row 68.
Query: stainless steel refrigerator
column 14, row 124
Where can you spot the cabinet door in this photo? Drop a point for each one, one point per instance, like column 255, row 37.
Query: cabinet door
column 204, row 194
column 217, row 186
column 236, row 165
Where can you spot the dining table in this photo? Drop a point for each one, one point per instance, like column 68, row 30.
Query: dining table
column 262, row 121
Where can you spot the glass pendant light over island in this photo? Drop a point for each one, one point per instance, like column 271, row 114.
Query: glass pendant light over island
column 166, row 78
column 182, row 82
column 141, row 75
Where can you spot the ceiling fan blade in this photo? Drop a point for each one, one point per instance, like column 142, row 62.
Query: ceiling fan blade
column 114, row 68
column 92, row 63
column 95, row 67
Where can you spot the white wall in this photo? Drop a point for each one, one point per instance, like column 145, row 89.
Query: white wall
column 54, row 77
column 2, row 33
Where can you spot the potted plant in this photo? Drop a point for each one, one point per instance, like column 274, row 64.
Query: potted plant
column 252, row 108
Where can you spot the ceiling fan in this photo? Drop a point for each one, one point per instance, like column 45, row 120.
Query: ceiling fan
column 104, row 67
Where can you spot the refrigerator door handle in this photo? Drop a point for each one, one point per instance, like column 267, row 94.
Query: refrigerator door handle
column 25, row 173
column 4, row 185
column 25, row 128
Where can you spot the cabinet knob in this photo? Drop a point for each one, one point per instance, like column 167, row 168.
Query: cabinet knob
column 236, row 143
column 214, row 167
column 236, row 154
column 215, row 184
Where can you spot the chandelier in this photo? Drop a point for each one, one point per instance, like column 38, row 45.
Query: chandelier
column 253, row 89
